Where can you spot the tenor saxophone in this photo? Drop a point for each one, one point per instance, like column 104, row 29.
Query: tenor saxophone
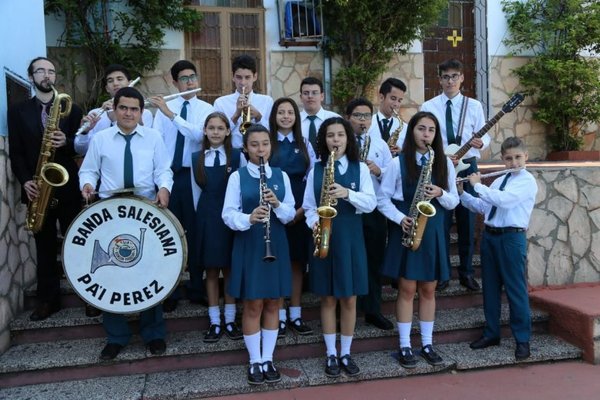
column 48, row 174
column 421, row 208
column 326, row 210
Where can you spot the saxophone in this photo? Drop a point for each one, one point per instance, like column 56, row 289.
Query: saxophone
column 48, row 174
column 420, row 209
column 326, row 209
column 396, row 134
column 364, row 150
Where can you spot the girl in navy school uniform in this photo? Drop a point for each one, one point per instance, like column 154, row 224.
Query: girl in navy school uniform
column 260, row 284
column 421, row 269
column 342, row 274
column 212, row 166
column 294, row 155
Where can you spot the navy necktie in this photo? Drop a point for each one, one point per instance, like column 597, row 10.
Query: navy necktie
column 449, row 126
column 385, row 135
column 128, row 162
column 44, row 115
column 423, row 160
column 217, row 162
column 312, row 131
column 178, row 156
column 502, row 185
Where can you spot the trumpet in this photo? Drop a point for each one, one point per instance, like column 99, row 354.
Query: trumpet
column 491, row 174
column 173, row 96
column 246, row 114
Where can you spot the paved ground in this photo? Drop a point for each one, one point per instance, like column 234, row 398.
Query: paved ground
column 560, row 381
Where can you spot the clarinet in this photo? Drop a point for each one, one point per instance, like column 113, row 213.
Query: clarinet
column 269, row 257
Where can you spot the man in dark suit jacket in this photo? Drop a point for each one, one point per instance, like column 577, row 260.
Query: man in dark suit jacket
column 26, row 125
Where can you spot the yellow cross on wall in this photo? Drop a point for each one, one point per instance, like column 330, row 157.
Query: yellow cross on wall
column 455, row 38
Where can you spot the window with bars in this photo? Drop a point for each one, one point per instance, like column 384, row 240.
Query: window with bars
column 300, row 22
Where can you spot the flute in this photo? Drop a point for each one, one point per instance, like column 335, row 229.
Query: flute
column 496, row 173
column 173, row 96
column 87, row 124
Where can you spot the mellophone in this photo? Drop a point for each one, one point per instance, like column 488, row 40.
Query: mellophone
column 124, row 254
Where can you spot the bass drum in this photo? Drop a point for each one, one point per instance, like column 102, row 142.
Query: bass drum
column 124, row 254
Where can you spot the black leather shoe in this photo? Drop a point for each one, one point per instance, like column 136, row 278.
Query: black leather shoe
column 91, row 311
column 431, row 356
column 470, row 283
column 169, row 305
column 270, row 373
column 255, row 374
column 233, row 332
column 379, row 321
column 213, row 334
column 407, row 358
column 157, row 347
column 332, row 367
column 442, row 285
column 300, row 327
column 484, row 342
column 349, row 366
column 522, row 351
column 110, row 351
column 44, row 310
column 282, row 330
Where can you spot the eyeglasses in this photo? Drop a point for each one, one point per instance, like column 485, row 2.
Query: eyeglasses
column 361, row 116
column 453, row 77
column 188, row 78
column 42, row 71
column 314, row 93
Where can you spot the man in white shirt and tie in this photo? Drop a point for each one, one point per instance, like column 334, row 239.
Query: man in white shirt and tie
column 385, row 123
column 313, row 114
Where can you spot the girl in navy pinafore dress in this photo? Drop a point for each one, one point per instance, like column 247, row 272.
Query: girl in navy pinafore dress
column 294, row 155
column 260, row 284
column 342, row 274
column 417, row 270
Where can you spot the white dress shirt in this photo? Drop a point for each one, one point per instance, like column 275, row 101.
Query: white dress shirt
column 82, row 142
column 232, row 213
column 228, row 105
column 322, row 115
column 192, row 128
column 364, row 200
column 474, row 119
column 375, row 132
column 105, row 161
column 391, row 188
column 209, row 161
column 379, row 153
column 513, row 204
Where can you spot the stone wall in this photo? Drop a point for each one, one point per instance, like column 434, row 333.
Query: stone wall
column 17, row 248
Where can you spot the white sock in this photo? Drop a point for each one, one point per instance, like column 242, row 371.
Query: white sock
column 215, row 315
column 426, row 332
column 329, row 339
column 346, row 342
column 269, row 340
column 295, row 313
column 253, row 346
column 282, row 314
column 404, row 331
column 229, row 313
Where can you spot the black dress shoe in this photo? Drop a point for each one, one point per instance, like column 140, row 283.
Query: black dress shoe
column 484, row 342
column 213, row 334
column 233, row 332
column 442, row 285
column 282, row 330
column 379, row 321
column 300, row 327
column 110, row 351
column 332, row 367
column 255, row 374
column 522, row 351
column 157, row 347
column 270, row 373
column 470, row 283
column 349, row 366
column 406, row 358
column 169, row 305
column 430, row 355
column 44, row 310
column 91, row 311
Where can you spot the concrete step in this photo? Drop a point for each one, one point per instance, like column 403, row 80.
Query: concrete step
column 57, row 360
column 195, row 383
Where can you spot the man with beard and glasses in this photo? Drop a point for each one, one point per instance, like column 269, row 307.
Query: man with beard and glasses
column 26, row 125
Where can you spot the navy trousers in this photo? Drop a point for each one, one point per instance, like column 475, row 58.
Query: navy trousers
column 152, row 326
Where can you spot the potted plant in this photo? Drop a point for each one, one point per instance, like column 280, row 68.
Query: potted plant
column 563, row 74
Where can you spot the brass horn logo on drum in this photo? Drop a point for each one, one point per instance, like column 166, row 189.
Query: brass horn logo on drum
column 124, row 251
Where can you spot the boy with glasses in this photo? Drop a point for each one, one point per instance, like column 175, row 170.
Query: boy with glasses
column 313, row 114
column 459, row 117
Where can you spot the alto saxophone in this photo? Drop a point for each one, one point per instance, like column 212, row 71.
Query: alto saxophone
column 421, row 208
column 246, row 114
column 364, row 150
column 396, row 134
column 48, row 174
column 326, row 210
